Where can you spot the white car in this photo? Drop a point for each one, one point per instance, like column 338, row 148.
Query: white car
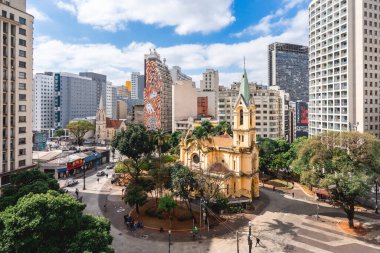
column 71, row 182
column 100, row 173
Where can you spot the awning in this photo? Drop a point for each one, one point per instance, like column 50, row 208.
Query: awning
column 92, row 157
column 61, row 170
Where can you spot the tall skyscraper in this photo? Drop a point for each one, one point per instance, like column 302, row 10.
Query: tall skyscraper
column 344, row 66
column 157, row 93
column 101, row 85
column 43, row 101
column 288, row 69
column 178, row 75
column 209, row 87
column 138, row 84
column 75, row 97
column 16, row 86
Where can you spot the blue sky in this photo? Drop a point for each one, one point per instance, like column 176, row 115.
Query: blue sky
column 111, row 37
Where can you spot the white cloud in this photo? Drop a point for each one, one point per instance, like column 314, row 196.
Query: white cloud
column 272, row 21
column 117, row 63
column 187, row 16
column 38, row 15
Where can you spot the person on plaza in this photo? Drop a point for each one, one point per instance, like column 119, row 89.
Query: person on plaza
column 293, row 194
column 106, row 175
column 98, row 180
column 77, row 192
column 258, row 242
column 274, row 188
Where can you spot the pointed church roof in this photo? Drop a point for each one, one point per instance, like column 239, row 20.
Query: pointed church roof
column 244, row 86
column 101, row 107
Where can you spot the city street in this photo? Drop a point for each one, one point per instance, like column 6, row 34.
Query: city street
column 285, row 225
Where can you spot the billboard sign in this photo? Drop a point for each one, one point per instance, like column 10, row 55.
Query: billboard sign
column 302, row 114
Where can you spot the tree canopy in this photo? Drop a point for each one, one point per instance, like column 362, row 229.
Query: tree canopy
column 59, row 132
column 342, row 163
column 79, row 128
column 52, row 222
column 23, row 183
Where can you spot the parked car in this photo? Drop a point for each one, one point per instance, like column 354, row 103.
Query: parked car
column 71, row 182
column 100, row 173
column 110, row 167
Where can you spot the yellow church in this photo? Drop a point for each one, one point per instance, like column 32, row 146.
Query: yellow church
column 234, row 161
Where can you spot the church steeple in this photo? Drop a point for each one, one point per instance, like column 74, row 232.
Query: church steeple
column 101, row 106
column 244, row 86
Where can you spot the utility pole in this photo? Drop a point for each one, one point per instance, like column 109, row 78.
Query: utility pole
column 376, row 192
column 237, row 241
column 84, row 176
column 250, row 237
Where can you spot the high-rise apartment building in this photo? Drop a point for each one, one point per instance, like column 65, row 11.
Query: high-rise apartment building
column 16, row 86
column 111, row 101
column 43, row 101
column 101, row 85
column 209, row 87
column 157, row 93
column 288, row 69
column 138, row 84
column 75, row 97
column 184, row 101
column 344, row 66
column 178, row 75
column 272, row 109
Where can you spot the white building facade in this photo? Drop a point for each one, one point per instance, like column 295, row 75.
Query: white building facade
column 43, row 101
column 344, row 66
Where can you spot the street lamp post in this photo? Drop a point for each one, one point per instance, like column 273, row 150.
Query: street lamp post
column 376, row 192
column 84, row 177
column 170, row 234
column 250, row 237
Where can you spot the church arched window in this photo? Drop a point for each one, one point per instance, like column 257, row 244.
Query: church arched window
column 241, row 117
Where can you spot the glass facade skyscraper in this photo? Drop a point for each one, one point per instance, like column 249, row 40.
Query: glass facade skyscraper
column 288, row 69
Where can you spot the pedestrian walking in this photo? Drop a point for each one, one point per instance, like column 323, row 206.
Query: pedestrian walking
column 274, row 188
column 77, row 193
column 258, row 242
column 293, row 194
column 98, row 180
column 106, row 175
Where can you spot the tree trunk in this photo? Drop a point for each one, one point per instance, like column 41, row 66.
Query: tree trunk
column 350, row 215
column 137, row 209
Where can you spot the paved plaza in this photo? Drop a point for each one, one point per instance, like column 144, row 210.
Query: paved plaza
column 283, row 225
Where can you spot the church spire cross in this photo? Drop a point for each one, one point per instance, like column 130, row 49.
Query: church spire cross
column 244, row 86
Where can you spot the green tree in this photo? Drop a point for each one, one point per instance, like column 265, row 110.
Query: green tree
column 52, row 222
column 183, row 183
column 23, row 183
column 174, row 141
column 79, row 128
column 59, row 133
column 207, row 126
column 342, row 163
column 222, row 128
column 135, row 195
column 136, row 144
column 167, row 204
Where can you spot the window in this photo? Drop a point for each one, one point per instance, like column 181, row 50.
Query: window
column 22, row 42
column 4, row 13
column 22, row 75
column 22, row 97
column 241, row 121
column 22, row 20
column 22, row 119
column 22, row 64
column 12, row 16
column 21, row 163
column 22, row 151
column 22, row 86
column 22, row 53
column 22, row 108
column 196, row 159
column 22, row 31
column 22, row 141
